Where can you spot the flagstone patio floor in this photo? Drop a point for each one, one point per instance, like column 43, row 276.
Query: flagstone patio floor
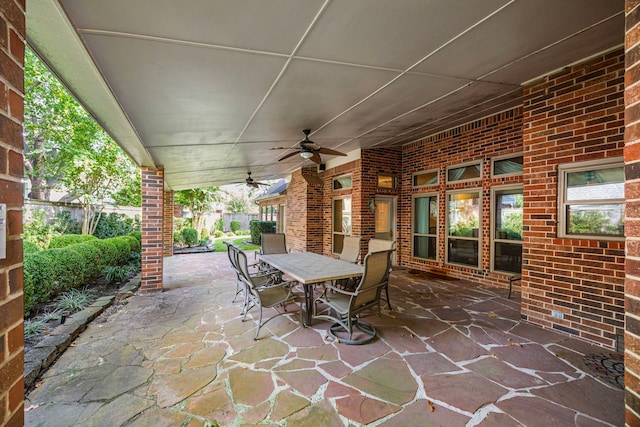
column 450, row 353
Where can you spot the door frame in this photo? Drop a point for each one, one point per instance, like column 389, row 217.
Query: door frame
column 393, row 218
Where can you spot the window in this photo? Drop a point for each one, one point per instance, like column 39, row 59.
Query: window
column 425, row 226
column 281, row 221
column 341, row 222
column 506, row 249
column 264, row 213
column 342, row 182
column 386, row 181
column 463, row 223
column 430, row 177
column 469, row 172
column 592, row 202
column 507, row 166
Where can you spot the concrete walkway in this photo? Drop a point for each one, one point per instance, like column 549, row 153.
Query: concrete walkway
column 451, row 353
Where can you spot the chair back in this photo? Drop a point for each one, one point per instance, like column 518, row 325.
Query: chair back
column 273, row 243
column 350, row 249
column 231, row 249
column 243, row 267
column 377, row 245
column 376, row 269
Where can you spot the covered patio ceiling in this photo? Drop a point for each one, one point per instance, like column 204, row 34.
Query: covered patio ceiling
column 210, row 89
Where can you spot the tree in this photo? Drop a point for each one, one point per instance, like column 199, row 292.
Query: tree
column 199, row 201
column 237, row 205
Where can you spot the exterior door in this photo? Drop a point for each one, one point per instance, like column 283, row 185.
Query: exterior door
column 385, row 219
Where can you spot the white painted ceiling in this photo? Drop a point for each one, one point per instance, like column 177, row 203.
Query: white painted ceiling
column 208, row 89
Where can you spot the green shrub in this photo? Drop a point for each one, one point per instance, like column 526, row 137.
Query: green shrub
column 36, row 229
column 65, row 267
column 74, row 300
column 113, row 225
column 69, row 239
column 117, row 273
column 218, row 233
column 29, row 247
column 64, row 224
column 235, row 226
column 123, row 249
column 134, row 244
column 190, row 236
column 258, row 227
column 38, row 280
column 137, row 235
column 91, row 260
column 108, row 252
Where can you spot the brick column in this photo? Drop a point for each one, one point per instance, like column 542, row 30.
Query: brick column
column 152, row 231
column 167, row 227
column 304, row 213
column 632, row 222
column 12, row 31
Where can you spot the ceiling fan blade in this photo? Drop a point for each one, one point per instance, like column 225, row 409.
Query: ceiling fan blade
column 286, row 156
column 330, row 152
column 316, row 158
column 260, row 183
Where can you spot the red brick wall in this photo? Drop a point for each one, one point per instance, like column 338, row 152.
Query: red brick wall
column 152, row 230
column 12, row 31
column 481, row 141
column 574, row 115
column 167, row 226
column 632, row 225
column 304, row 213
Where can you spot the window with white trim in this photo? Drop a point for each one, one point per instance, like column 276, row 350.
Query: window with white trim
column 341, row 222
column 466, row 172
column 506, row 229
column 463, row 227
column 425, row 226
column 507, row 166
column 342, row 182
column 425, row 178
column 591, row 199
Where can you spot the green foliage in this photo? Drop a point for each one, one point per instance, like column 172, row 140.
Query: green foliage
column 70, row 239
column 74, row 300
column 108, row 252
column 36, row 229
column 64, row 224
column 218, row 233
column 90, row 260
column 204, row 233
column 29, row 247
column 512, row 225
column 219, row 225
column 199, row 201
column 256, row 229
column 123, row 249
column 242, row 243
column 64, row 266
column 592, row 222
column 238, row 205
column 137, row 235
column 235, row 226
column 190, row 236
column 117, row 273
column 113, row 225
column 33, row 328
column 38, row 280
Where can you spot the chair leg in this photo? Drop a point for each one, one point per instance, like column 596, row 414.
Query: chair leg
column 386, row 290
column 259, row 325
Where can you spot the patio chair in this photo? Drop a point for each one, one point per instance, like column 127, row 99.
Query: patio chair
column 344, row 307
column 233, row 260
column 264, row 278
column 376, row 245
column 264, row 291
column 350, row 253
column 273, row 243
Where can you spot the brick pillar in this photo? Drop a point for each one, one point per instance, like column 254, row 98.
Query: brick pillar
column 12, row 31
column 152, row 231
column 632, row 222
column 167, row 227
column 304, row 213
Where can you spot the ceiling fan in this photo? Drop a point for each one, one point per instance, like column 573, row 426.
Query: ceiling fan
column 309, row 150
column 251, row 183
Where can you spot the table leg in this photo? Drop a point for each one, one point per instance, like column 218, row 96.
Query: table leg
column 308, row 301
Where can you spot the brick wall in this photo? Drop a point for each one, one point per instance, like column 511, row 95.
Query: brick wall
column 167, row 226
column 12, row 31
column 574, row 115
column 632, row 224
column 304, row 213
column 481, row 140
column 152, row 230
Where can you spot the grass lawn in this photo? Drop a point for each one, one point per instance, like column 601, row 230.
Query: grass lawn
column 241, row 242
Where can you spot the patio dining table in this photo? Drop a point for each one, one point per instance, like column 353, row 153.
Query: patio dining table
column 310, row 268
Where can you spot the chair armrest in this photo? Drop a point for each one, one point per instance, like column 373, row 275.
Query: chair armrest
column 338, row 290
column 288, row 284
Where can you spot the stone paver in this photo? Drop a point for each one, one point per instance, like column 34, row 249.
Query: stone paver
column 451, row 353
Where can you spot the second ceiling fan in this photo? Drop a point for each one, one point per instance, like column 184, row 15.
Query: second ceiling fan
column 310, row 150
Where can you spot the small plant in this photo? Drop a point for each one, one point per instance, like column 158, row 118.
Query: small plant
column 33, row 328
column 235, row 226
column 135, row 259
column 117, row 273
column 190, row 236
column 50, row 316
column 74, row 300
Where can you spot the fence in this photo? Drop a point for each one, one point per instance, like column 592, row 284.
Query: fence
column 243, row 218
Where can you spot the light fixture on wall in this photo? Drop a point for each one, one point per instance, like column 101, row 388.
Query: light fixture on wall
column 306, row 154
column 372, row 205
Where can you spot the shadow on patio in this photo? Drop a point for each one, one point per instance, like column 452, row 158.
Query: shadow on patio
column 451, row 353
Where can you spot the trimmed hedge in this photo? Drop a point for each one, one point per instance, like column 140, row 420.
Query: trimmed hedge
column 53, row 271
column 258, row 227
column 70, row 239
column 29, row 247
column 137, row 235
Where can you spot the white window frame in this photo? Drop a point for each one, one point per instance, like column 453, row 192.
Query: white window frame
column 563, row 170
column 333, row 215
column 333, row 182
column 448, row 238
column 413, row 233
column 462, row 165
column 493, row 238
column 413, row 177
column 505, row 157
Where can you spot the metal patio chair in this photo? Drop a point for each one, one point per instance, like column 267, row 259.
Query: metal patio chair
column 350, row 253
column 376, row 245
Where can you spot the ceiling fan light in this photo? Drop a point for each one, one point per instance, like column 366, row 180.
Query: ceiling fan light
column 306, row 154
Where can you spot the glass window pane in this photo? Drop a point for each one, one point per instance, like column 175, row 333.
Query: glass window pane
column 342, row 182
column 507, row 257
column 464, row 173
column 597, row 184
column 464, row 214
column 508, row 214
column 425, row 178
column 386, row 181
column 596, row 219
column 463, row 252
column 424, row 247
column 509, row 166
